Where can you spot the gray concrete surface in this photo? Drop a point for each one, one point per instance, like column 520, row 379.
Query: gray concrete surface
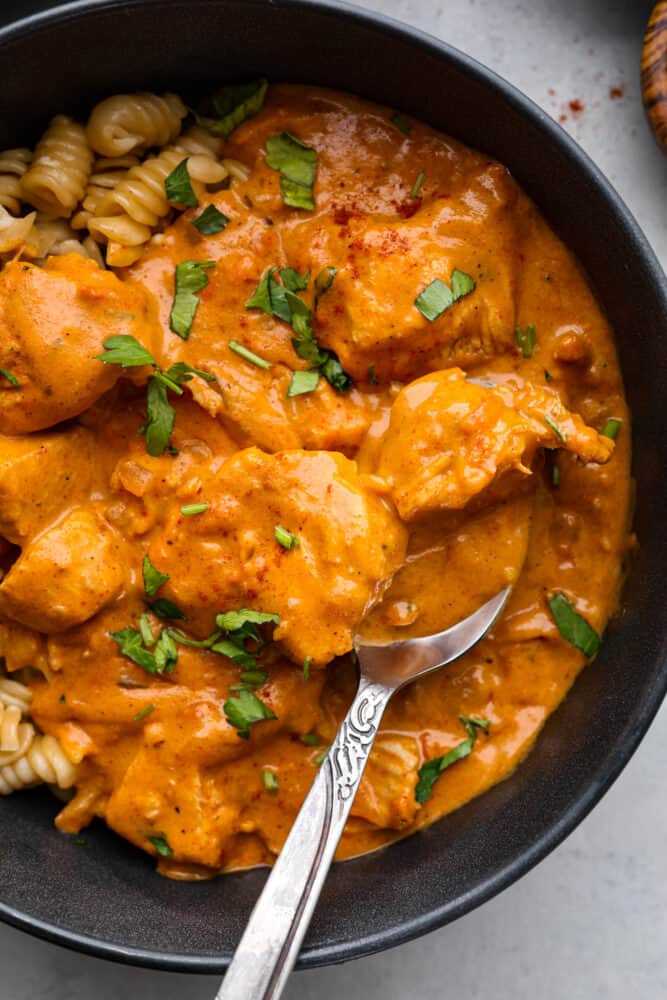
column 590, row 923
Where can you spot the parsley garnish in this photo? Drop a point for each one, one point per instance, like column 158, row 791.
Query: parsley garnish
column 248, row 355
column 153, row 578
column 210, row 221
column 12, row 379
column 278, row 300
column 126, row 351
column 438, row 297
column 310, row 739
column 146, row 630
column 430, row 771
column 188, row 509
column 548, row 377
column 250, row 680
column 286, row 538
column 166, row 609
column 144, row 712
column 323, row 282
column 293, row 281
column 303, row 382
column 161, row 660
column 572, row 626
column 178, row 187
column 190, row 278
column 555, row 474
column 416, row 187
column 321, row 756
column 525, row 339
column 159, row 842
column 244, row 710
column 270, row 781
column 306, row 667
column 401, row 123
column 558, row 431
column 234, row 105
column 239, row 626
column 611, row 427
column 297, row 164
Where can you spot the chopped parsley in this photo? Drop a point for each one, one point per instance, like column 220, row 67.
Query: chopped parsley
column 166, row 609
column 190, row 278
column 293, row 281
column 548, row 377
column 160, row 660
column 306, row 667
column 323, row 282
column 572, row 626
column 144, row 712
column 161, row 845
column 238, row 626
column 611, row 427
column 146, row 631
column 153, row 578
column 12, row 379
column 321, row 756
column 430, row 771
column 245, row 709
column 555, row 474
column 270, row 781
column 297, row 165
column 525, row 339
column 126, row 351
column 250, row 680
column 401, row 123
column 248, row 355
column 310, row 739
column 277, row 299
column 416, row 187
column 286, row 538
column 210, row 221
column 303, row 382
column 188, row 509
column 234, row 105
column 558, row 431
column 437, row 297
column 179, row 188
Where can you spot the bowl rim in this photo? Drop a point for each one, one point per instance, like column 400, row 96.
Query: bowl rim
column 402, row 931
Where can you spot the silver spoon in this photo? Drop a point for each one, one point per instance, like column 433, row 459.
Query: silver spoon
column 270, row 944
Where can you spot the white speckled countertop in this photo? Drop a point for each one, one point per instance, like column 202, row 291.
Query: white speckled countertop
column 590, row 923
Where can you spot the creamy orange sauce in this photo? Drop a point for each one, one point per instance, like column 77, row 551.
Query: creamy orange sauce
column 83, row 503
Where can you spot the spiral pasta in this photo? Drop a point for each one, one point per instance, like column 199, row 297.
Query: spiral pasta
column 14, row 232
column 44, row 760
column 14, row 694
column 136, row 206
column 13, row 165
column 56, row 181
column 106, row 174
column 51, row 237
column 124, row 122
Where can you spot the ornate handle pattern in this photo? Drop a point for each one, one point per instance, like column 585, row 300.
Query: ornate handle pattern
column 272, row 939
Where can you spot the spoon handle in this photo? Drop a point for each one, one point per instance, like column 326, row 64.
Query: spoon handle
column 272, row 939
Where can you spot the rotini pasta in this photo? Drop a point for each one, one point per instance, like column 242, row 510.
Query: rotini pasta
column 124, row 122
column 14, row 694
column 107, row 173
column 13, row 165
column 10, row 718
column 14, row 232
column 44, row 760
column 56, row 181
column 136, row 206
column 51, row 237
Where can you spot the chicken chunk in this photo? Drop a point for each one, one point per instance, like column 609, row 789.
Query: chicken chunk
column 65, row 575
column 54, row 320
column 369, row 316
column 386, row 797
column 450, row 440
column 348, row 543
column 40, row 476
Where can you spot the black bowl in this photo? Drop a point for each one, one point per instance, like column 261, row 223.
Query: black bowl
column 104, row 897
